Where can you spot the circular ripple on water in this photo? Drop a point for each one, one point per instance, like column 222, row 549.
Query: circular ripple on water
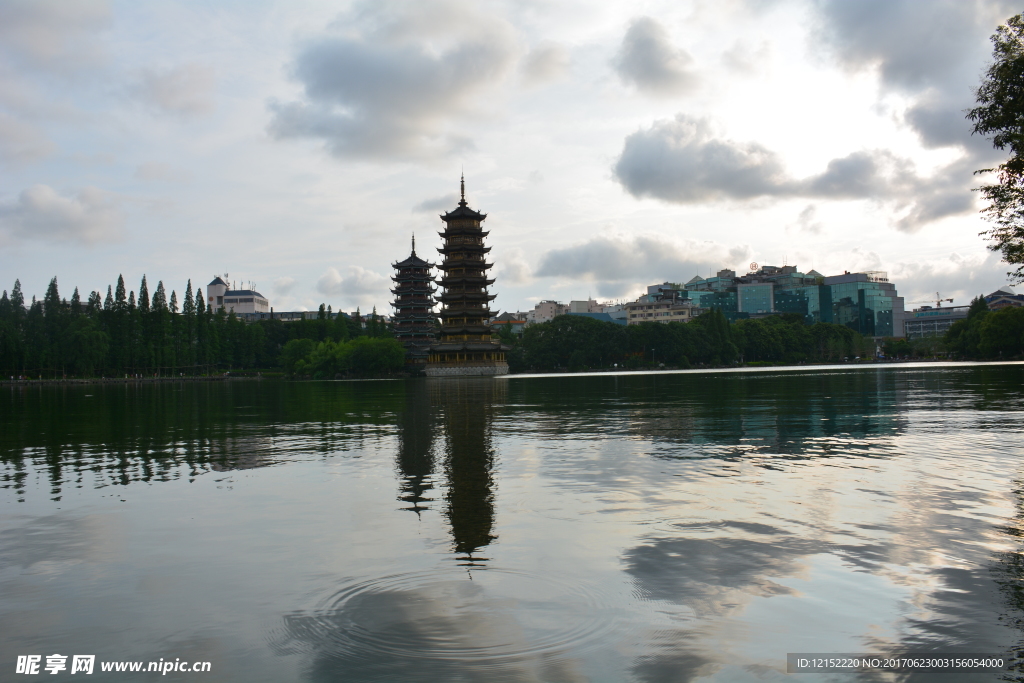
column 487, row 615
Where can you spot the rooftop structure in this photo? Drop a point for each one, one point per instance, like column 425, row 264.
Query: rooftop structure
column 219, row 296
column 466, row 346
column 1004, row 297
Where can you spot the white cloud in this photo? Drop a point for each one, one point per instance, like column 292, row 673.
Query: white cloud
column 512, row 267
column 155, row 171
column 618, row 263
column 648, row 60
column 807, row 220
column 393, row 81
column 21, row 142
column 959, row 277
column 444, row 203
column 284, row 285
column 185, row 90
column 683, row 161
column 54, row 35
column 544, row 64
column 357, row 287
column 39, row 213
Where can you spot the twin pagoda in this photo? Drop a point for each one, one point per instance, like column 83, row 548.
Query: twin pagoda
column 465, row 347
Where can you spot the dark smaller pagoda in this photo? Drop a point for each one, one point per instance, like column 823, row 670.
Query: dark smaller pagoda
column 414, row 306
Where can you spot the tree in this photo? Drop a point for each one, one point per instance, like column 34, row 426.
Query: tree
column 1000, row 115
column 964, row 336
column 120, row 295
column 143, row 296
column 1002, row 333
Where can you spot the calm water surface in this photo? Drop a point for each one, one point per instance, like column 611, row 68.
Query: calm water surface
column 635, row 527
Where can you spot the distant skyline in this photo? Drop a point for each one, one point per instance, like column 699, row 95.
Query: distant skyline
column 299, row 145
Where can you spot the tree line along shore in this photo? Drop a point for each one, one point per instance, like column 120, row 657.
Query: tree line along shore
column 128, row 337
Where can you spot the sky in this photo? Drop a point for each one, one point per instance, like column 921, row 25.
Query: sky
column 299, row 145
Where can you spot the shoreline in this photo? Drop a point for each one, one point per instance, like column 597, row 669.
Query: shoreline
column 115, row 380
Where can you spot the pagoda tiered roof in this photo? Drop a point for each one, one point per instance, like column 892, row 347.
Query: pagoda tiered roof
column 465, row 263
column 463, row 211
column 413, row 261
column 457, row 248
column 465, row 296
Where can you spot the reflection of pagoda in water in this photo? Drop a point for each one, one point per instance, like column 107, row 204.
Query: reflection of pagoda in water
column 462, row 412
column 466, row 347
column 468, row 460
column 414, row 306
column 415, row 460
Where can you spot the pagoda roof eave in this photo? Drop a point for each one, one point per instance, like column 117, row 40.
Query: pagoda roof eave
column 413, row 261
column 463, row 211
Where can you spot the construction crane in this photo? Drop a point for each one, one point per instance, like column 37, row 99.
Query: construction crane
column 938, row 301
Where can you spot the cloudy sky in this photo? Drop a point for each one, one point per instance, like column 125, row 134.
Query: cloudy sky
column 299, row 144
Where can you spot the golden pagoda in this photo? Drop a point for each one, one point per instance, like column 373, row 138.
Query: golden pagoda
column 465, row 346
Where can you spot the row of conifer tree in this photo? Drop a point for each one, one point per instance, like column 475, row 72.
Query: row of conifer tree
column 149, row 335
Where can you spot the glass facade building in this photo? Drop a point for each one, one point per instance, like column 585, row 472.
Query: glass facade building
column 866, row 302
column 755, row 298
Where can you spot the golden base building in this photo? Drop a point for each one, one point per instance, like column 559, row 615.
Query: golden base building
column 465, row 347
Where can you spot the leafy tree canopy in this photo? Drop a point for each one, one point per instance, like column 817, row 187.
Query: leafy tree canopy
column 1000, row 116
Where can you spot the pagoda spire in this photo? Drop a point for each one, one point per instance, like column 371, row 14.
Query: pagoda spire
column 414, row 244
column 462, row 183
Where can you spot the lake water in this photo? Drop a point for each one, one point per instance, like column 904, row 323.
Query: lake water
column 633, row 527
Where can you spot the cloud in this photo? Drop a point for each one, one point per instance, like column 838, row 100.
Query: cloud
column 955, row 276
column 682, row 161
column 806, row 222
column 649, row 61
column 284, row 285
column 620, row 264
column 936, row 56
column 716, row 576
column 20, row 142
column 512, row 268
column 394, row 82
column 156, row 171
column 741, row 59
column 544, row 64
column 185, row 90
column 358, row 287
column 443, row 203
column 39, row 213
column 912, row 47
column 53, row 35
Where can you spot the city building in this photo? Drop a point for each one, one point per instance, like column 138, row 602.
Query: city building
column 603, row 317
column 1004, row 297
column 242, row 301
column 588, row 306
column 665, row 311
column 466, row 346
column 515, row 322
column 546, row 311
column 866, row 302
column 929, row 321
column 414, row 306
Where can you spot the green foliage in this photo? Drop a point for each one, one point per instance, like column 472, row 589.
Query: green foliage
column 364, row 357
column 125, row 336
column 963, row 339
column 1002, row 333
column 1000, row 116
column 577, row 343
